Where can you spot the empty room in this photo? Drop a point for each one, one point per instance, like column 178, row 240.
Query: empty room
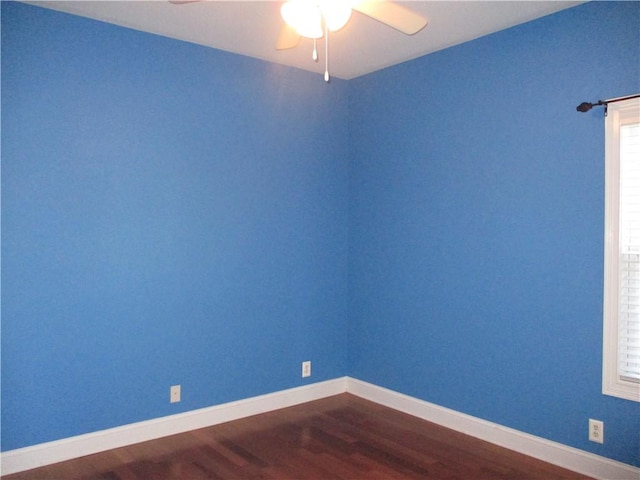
column 223, row 258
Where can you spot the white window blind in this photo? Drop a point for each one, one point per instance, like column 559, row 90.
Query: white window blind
column 629, row 266
column 621, row 355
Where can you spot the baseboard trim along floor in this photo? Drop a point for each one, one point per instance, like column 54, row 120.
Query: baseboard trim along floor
column 35, row 456
column 546, row 450
column 596, row 466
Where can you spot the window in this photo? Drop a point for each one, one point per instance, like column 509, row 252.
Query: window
column 621, row 358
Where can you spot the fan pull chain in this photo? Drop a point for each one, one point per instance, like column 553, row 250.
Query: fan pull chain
column 326, row 53
column 315, row 50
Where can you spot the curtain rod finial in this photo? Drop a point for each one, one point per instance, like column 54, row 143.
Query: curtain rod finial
column 584, row 107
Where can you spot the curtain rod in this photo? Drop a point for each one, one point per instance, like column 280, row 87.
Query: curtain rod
column 586, row 106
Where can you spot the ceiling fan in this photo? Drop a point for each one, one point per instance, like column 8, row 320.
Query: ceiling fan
column 317, row 18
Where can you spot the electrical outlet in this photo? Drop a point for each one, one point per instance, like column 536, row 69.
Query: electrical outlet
column 174, row 396
column 596, row 430
column 306, row 369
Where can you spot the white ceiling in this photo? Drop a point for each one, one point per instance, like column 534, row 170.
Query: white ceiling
column 363, row 46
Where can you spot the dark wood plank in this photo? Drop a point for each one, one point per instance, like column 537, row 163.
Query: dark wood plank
column 342, row 437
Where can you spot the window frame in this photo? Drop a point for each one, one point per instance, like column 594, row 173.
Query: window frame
column 620, row 113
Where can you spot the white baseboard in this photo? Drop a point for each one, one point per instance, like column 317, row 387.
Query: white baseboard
column 35, row 456
column 18, row 460
column 551, row 452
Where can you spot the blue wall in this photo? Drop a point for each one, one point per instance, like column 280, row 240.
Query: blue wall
column 172, row 214
column 176, row 214
column 476, row 213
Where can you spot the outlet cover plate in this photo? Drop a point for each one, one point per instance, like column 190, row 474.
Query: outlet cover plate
column 174, row 396
column 306, row 369
column 596, row 430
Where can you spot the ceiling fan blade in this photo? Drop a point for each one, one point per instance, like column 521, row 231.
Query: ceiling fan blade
column 392, row 14
column 288, row 38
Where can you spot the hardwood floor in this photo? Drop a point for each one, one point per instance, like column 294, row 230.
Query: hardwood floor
column 341, row 437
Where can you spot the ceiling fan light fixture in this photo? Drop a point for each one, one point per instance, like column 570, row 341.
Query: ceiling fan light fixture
column 336, row 13
column 304, row 16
